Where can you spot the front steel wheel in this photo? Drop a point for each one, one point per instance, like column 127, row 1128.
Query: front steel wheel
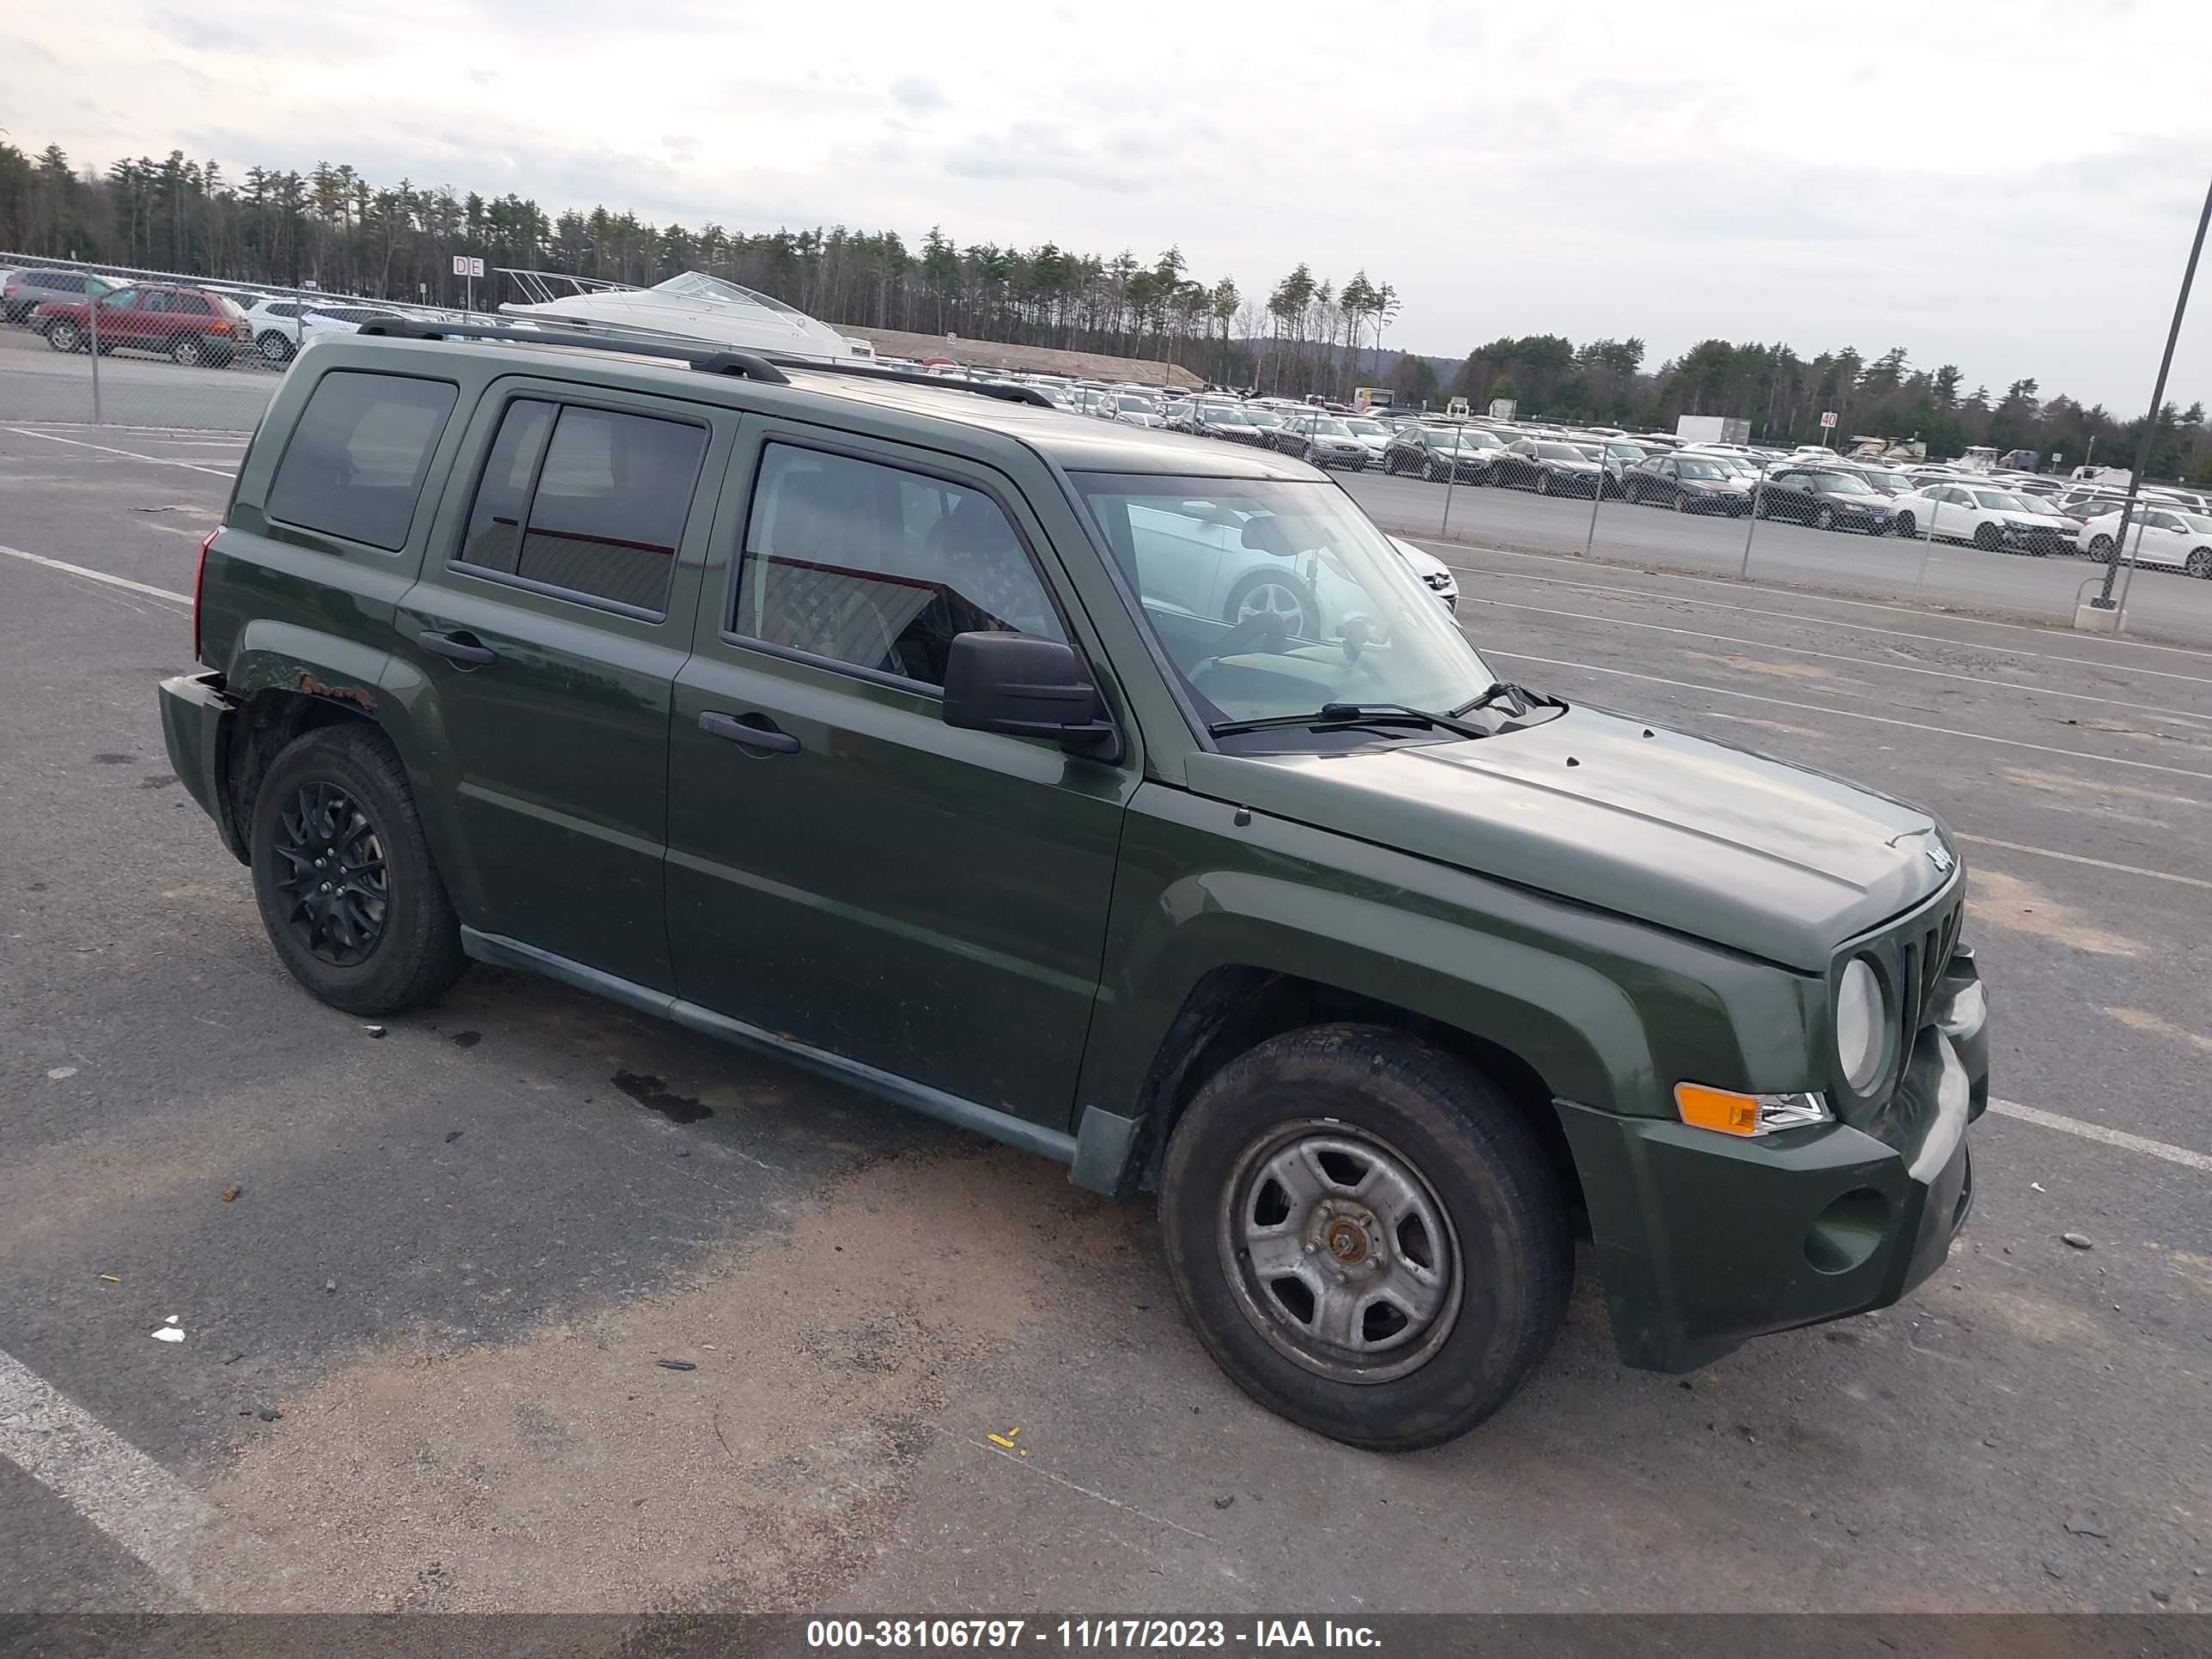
column 1366, row 1235
column 1338, row 1251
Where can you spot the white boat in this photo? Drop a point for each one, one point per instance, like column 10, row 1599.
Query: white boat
column 693, row 305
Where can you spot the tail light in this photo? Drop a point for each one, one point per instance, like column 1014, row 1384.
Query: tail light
column 199, row 584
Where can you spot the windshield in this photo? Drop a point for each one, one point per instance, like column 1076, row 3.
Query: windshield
column 1558, row 452
column 1999, row 499
column 1322, row 429
column 1275, row 598
column 1262, row 417
column 1136, row 405
column 1626, row 451
column 1699, row 469
column 1365, row 429
column 698, row 285
column 1841, row 484
column 1891, row 480
column 1222, row 417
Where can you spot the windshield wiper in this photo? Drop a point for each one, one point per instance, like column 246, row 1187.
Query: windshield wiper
column 1330, row 715
column 1520, row 697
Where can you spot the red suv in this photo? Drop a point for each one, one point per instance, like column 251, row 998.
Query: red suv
column 191, row 324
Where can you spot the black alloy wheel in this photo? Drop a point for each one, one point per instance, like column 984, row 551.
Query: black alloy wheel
column 331, row 876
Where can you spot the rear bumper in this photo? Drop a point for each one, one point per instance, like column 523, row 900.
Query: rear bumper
column 196, row 716
column 1704, row 1240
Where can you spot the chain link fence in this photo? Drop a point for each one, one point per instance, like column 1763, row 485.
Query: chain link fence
column 137, row 348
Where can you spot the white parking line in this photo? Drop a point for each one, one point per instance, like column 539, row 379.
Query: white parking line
column 103, row 1477
column 2079, row 857
column 1854, row 715
column 95, row 575
column 1862, row 662
column 2074, row 1126
column 129, row 454
column 1814, row 619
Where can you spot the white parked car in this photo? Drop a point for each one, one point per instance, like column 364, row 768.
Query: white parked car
column 1995, row 520
column 1374, row 436
column 2160, row 536
column 280, row 327
column 1436, row 575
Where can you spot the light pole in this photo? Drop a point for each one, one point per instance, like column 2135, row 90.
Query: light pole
column 2122, row 550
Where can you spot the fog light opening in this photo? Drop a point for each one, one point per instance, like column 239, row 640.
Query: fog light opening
column 1848, row 1231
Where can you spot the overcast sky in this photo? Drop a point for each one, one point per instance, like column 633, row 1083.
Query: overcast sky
column 2011, row 187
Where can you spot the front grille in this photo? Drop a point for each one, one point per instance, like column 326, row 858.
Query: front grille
column 1924, row 947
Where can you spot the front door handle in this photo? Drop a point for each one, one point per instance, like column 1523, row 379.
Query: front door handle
column 460, row 648
column 762, row 736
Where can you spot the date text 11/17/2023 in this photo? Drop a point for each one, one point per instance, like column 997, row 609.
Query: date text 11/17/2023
column 1084, row 1634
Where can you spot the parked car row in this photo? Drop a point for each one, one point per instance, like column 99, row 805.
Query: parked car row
column 189, row 323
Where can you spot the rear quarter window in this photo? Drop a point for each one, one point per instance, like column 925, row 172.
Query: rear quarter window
column 355, row 464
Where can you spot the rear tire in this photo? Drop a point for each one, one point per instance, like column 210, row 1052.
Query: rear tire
column 1459, row 1213
column 416, row 950
column 187, row 350
column 63, row 335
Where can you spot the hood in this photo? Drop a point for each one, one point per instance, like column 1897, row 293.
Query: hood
column 1702, row 838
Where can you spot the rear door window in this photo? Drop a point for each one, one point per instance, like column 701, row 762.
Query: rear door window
column 591, row 501
column 354, row 465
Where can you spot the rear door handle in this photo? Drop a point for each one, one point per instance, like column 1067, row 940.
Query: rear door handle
column 742, row 732
column 458, row 646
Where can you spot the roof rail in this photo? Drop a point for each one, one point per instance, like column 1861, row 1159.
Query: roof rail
column 1004, row 393
column 702, row 356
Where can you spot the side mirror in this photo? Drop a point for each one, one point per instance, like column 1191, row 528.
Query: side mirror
column 1027, row 687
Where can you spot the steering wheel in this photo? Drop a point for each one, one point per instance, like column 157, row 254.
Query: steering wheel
column 1263, row 630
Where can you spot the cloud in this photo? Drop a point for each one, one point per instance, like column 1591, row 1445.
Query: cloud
column 1044, row 150
column 1723, row 167
column 917, row 93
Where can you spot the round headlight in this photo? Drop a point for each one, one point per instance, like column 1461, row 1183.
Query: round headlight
column 1859, row 1024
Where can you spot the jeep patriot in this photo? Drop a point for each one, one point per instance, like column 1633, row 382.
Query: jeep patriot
column 1119, row 794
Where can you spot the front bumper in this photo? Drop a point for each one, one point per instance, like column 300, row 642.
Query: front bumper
column 1705, row 1240
column 197, row 715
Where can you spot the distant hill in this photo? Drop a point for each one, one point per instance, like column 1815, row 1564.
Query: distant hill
column 1371, row 363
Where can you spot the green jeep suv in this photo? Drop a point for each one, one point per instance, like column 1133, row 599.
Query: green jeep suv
column 1120, row 795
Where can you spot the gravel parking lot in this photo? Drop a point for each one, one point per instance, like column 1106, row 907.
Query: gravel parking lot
column 426, row 1279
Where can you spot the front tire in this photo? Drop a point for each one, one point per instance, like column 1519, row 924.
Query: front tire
column 348, row 892
column 1824, row 519
column 2200, row 563
column 1365, row 1234
column 1543, row 484
column 1905, row 525
column 2100, row 549
column 274, row 347
column 1988, row 538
